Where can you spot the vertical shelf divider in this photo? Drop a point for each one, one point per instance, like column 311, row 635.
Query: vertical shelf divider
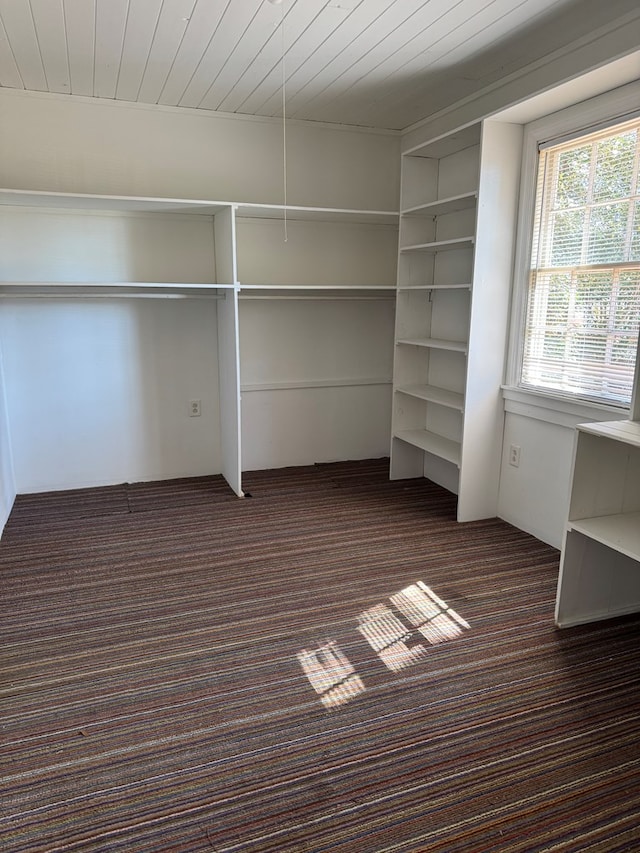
column 229, row 350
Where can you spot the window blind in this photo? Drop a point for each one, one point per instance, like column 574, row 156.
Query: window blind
column 583, row 306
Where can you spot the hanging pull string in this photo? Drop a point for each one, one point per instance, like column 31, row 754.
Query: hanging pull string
column 284, row 111
column 284, row 123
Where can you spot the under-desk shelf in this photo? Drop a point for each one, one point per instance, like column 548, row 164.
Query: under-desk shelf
column 620, row 532
column 600, row 563
column 431, row 442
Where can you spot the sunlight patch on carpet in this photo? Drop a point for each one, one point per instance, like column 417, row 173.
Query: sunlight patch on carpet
column 331, row 674
column 425, row 615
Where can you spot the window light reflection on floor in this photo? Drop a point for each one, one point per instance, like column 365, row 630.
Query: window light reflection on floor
column 333, row 676
column 388, row 637
column 433, row 617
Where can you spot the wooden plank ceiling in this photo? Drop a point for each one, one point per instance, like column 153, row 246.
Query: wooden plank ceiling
column 375, row 63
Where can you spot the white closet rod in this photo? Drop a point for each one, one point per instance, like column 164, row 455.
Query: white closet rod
column 314, row 383
column 317, row 298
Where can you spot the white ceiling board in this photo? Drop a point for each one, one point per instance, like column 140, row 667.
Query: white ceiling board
column 229, row 32
column 286, row 30
column 48, row 18
column 267, row 96
column 261, row 30
column 170, row 31
column 8, row 66
column 445, row 72
column 142, row 22
column 390, row 31
column 394, row 77
column 21, row 33
column 367, row 67
column 340, row 40
column 111, row 20
column 374, row 63
column 80, row 19
column 200, row 31
column 401, row 78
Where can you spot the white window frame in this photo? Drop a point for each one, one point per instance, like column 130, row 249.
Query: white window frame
column 604, row 110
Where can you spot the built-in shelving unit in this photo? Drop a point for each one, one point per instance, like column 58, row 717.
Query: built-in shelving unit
column 600, row 565
column 458, row 205
column 323, row 268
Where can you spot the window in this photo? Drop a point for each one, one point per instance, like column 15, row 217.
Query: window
column 583, row 303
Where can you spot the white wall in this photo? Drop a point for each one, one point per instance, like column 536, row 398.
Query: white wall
column 98, row 390
column 534, row 496
column 294, row 355
column 71, row 144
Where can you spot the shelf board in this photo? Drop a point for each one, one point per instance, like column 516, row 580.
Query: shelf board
column 327, row 214
column 440, row 446
column 314, row 383
column 132, row 204
column 249, row 292
column 434, row 343
column 619, row 532
column 441, row 245
column 440, row 207
column 433, row 394
column 80, row 289
column 205, row 207
column 303, row 287
column 448, row 143
column 410, row 287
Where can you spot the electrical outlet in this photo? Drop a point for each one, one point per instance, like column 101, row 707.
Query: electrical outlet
column 514, row 455
column 194, row 408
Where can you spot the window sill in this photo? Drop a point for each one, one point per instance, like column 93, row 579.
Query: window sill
column 557, row 410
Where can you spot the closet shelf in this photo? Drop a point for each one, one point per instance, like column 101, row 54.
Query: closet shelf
column 447, row 144
column 305, row 214
column 433, row 394
column 441, row 207
column 297, row 385
column 146, row 289
column 204, row 207
column 123, row 204
column 303, row 287
column 441, row 245
column 434, row 343
column 440, row 446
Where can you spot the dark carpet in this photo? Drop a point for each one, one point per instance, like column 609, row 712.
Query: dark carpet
column 331, row 664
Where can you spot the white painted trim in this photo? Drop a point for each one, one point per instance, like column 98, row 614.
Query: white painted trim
column 607, row 107
column 199, row 113
column 557, row 410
